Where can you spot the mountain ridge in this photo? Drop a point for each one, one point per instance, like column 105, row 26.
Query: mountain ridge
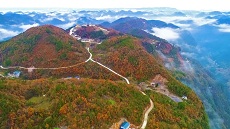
column 122, row 53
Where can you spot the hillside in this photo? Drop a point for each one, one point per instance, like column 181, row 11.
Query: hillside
column 97, row 98
column 127, row 55
column 43, row 46
column 204, row 83
column 85, row 103
column 142, row 29
column 207, row 73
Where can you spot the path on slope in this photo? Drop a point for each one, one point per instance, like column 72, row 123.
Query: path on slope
column 145, row 121
column 32, row 68
column 20, row 67
column 90, row 58
column 144, row 124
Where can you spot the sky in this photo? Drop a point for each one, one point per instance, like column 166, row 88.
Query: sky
column 218, row 5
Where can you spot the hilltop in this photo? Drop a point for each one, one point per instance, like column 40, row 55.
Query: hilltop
column 43, row 46
column 92, row 33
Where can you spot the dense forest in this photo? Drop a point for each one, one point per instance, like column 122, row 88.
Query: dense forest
column 97, row 98
column 87, row 103
column 43, row 46
column 84, row 103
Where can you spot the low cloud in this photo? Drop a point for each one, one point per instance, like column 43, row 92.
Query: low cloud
column 171, row 19
column 109, row 18
column 178, row 20
column 223, row 28
column 166, row 33
column 228, row 83
column 66, row 26
column 52, row 14
column 25, row 27
column 61, row 19
column 187, row 27
column 188, row 54
column 72, row 19
column 203, row 21
column 187, row 67
column 47, row 19
column 7, row 33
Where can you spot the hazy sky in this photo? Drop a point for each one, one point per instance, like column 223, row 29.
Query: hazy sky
column 179, row 4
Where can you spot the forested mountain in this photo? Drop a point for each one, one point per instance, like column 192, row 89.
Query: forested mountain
column 97, row 97
column 43, row 46
column 192, row 45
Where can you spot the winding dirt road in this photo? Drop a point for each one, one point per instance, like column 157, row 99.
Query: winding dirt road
column 145, row 121
column 32, row 68
column 20, row 67
column 144, row 124
column 90, row 58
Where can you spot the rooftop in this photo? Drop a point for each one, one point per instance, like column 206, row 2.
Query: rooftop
column 125, row 125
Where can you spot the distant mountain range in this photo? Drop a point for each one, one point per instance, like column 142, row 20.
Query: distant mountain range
column 144, row 28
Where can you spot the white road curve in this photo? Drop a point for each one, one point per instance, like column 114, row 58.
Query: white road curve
column 71, row 31
column 90, row 58
column 146, row 115
column 20, row 67
column 1, row 75
column 99, row 43
column 32, row 68
column 127, row 81
column 142, row 92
